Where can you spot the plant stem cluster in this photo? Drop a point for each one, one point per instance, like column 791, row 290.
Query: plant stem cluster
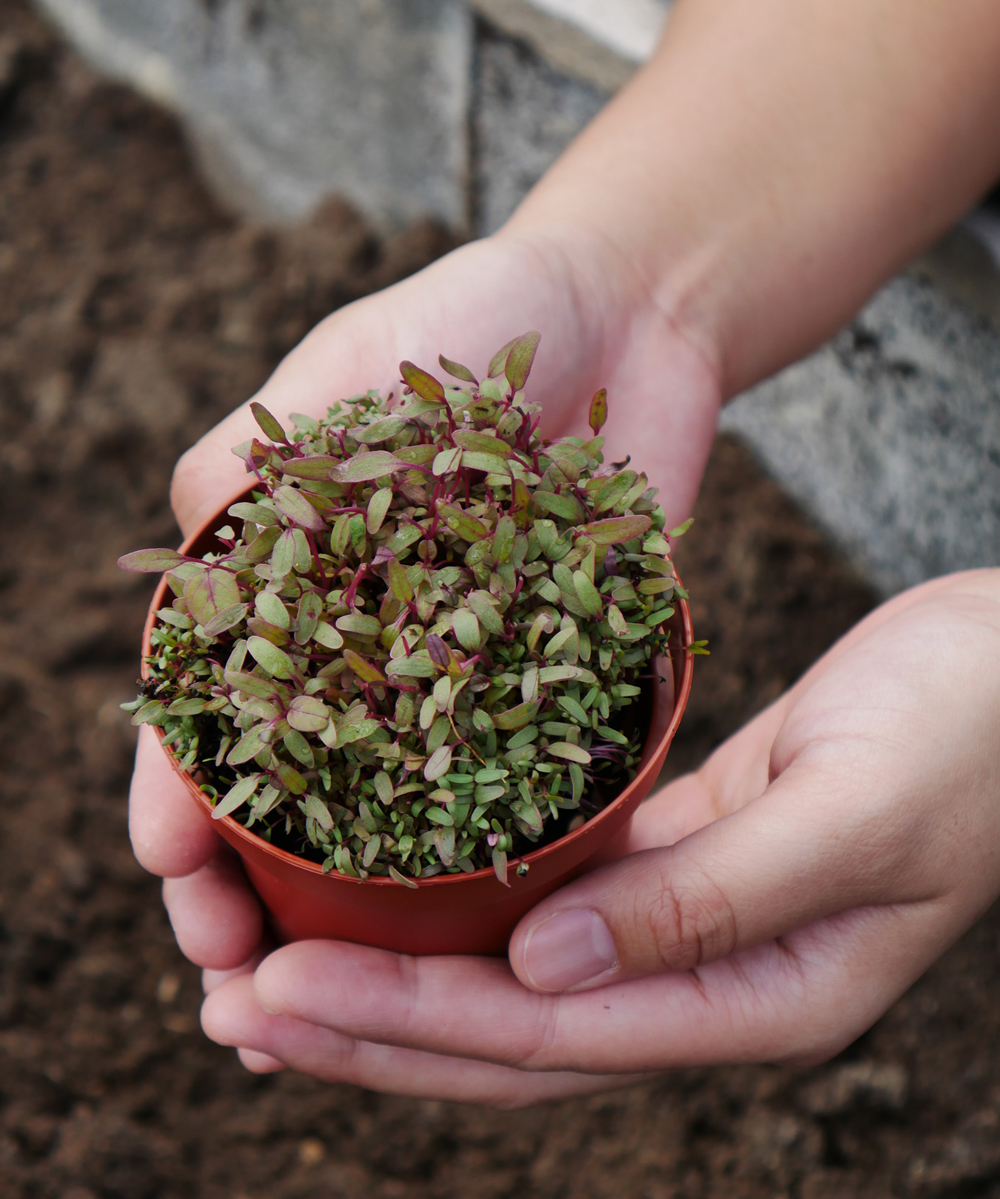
column 419, row 646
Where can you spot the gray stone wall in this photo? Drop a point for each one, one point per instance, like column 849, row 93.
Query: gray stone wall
column 890, row 436
column 290, row 102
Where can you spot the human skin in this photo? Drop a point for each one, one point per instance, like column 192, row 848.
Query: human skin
column 773, row 164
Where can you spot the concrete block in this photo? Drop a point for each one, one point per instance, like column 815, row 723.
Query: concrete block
column 288, row 103
column 524, row 114
column 890, row 436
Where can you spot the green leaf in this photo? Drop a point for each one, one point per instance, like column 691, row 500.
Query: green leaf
column 274, row 660
column 421, row 455
column 519, row 359
column 367, row 671
column 248, row 746
column 307, row 617
column 466, row 628
column 682, row 529
column 614, row 490
column 482, row 721
column 262, row 545
column 588, row 595
column 327, row 636
column 313, row 806
column 616, row 529
column 268, row 423
column 257, row 514
column 315, row 467
column 491, row 464
column 299, row 748
column 399, row 584
column 244, row 790
column 363, row 468
column 484, row 606
column 208, row 592
column 308, row 714
column 598, row 410
column 461, row 522
column 383, row 787
column 417, row 666
column 225, row 619
column 656, row 586
column 380, row 430
column 446, row 462
column 516, row 717
column 378, row 507
column 359, row 625
column 149, row 713
column 566, row 506
column 457, row 370
column 565, row 674
column 291, row 779
column 293, row 505
column 503, row 539
column 150, row 561
column 283, row 555
column 420, row 382
column 499, row 359
column 272, row 609
column 251, row 684
column 499, row 859
column 568, row 751
column 438, row 763
column 483, row 443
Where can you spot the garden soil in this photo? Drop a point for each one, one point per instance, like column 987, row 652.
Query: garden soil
column 133, row 314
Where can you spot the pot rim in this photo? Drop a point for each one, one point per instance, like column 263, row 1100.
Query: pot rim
column 650, row 753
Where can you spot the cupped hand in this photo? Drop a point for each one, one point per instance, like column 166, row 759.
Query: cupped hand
column 599, row 328
column 769, row 908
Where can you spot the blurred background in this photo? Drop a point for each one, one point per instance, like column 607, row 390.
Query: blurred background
column 185, row 189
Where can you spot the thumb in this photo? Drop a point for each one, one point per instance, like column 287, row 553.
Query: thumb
column 786, row 859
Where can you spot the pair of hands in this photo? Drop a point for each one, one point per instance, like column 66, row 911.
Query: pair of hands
column 769, row 907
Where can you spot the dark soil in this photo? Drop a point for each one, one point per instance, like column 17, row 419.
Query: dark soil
column 133, row 314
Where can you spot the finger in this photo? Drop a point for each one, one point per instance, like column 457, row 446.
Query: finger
column 801, row 851
column 210, row 979
column 259, row 1063
column 232, row 1016
column 170, row 836
column 802, row 998
column 215, row 916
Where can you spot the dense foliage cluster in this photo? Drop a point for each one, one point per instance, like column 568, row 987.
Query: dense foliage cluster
column 417, row 648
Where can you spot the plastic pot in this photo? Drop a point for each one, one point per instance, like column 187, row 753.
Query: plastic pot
column 451, row 913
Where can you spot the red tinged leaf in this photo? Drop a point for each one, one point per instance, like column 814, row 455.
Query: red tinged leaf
column 367, row 671
column 457, row 370
column 616, row 529
column 365, row 467
column 599, row 410
column 421, row 383
column 268, row 423
column 499, row 359
column 316, row 466
column 466, row 526
column 293, row 505
column 519, row 359
column 150, row 561
column 209, row 592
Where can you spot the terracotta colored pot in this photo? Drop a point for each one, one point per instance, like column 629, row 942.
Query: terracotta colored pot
column 451, row 913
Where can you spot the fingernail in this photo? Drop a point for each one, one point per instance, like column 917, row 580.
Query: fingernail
column 568, row 949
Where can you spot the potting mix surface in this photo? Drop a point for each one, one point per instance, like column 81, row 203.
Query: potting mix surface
column 134, row 313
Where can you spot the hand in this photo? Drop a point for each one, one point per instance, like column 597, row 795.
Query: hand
column 771, row 906
column 599, row 329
